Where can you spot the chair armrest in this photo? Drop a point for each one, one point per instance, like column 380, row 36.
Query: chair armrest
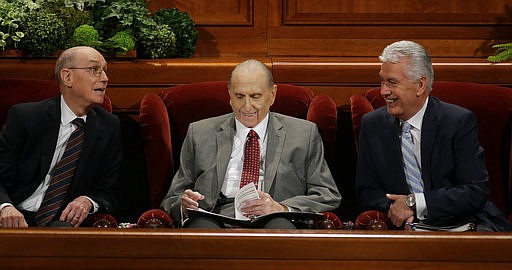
column 331, row 222
column 372, row 220
column 100, row 220
column 155, row 218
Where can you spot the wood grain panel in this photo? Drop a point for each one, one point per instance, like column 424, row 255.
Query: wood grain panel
column 271, row 249
column 212, row 12
column 396, row 12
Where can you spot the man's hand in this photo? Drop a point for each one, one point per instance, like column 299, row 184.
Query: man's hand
column 399, row 212
column 262, row 206
column 10, row 217
column 76, row 211
column 189, row 199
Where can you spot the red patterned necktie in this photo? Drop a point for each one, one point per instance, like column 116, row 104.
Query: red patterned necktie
column 251, row 166
column 61, row 176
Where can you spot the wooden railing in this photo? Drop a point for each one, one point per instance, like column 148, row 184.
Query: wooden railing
column 250, row 249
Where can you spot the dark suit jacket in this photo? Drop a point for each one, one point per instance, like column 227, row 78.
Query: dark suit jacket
column 296, row 173
column 27, row 145
column 452, row 162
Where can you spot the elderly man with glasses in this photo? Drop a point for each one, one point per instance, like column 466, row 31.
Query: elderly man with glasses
column 60, row 157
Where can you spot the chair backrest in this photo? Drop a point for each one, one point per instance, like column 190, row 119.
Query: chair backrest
column 492, row 106
column 14, row 91
column 181, row 105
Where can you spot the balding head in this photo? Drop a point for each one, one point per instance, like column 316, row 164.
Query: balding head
column 250, row 69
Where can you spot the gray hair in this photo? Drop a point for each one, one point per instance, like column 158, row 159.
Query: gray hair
column 253, row 65
column 419, row 64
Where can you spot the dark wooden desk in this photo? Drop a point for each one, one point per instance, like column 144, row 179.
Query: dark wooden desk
column 230, row 249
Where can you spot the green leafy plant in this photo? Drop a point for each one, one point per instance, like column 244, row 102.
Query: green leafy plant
column 86, row 35
column 44, row 33
column 10, row 17
column 503, row 52
column 42, row 27
column 183, row 27
column 120, row 43
column 157, row 42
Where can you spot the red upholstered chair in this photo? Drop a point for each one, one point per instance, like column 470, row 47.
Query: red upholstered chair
column 164, row 119
column 492, row 106
column 14, row 91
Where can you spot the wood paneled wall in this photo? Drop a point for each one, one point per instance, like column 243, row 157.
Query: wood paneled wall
column 330, row 46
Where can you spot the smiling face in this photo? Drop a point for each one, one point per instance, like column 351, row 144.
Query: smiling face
column 251, row 95
column 83, row 79
column 404, row 97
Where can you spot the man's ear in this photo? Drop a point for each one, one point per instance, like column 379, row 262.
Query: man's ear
column 66, row 77
column 422, row 86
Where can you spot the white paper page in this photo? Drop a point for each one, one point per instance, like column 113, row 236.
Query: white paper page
column 246, row 193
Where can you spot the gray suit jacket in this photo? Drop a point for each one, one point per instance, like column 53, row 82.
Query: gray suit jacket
column 296, row 173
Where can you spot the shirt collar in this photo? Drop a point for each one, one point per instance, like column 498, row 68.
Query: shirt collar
column 260, row 128
column 417, row 120
column 66, row 114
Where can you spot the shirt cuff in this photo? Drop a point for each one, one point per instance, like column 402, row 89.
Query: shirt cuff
column 421, row 206
column 3, row 205
column 94, row 207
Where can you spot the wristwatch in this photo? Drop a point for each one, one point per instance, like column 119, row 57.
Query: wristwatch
column 411, row 202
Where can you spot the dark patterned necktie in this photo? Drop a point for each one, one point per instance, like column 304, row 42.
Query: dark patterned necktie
column 61, row 176
column 251, row 166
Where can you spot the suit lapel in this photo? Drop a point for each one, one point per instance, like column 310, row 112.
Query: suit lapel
column 224, row 140
column 49, row 139
column 397, row 171
column 428, row 134
column 275, row 144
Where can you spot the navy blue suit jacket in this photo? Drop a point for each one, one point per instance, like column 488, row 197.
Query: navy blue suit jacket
column 452, row 162
column 27, row 144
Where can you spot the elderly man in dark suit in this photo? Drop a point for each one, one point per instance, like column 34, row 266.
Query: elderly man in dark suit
column 419, row 157
column 291, row 173
column 59, row 158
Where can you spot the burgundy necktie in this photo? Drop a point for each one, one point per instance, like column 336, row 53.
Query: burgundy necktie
column 251, row 166
column 61, row 176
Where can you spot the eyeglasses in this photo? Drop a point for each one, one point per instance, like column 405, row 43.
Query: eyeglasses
column 94, row 70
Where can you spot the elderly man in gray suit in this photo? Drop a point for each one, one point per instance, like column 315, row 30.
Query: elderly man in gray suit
column 290, row 172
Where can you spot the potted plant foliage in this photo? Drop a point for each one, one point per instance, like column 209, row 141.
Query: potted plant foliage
column 10, row 33
column 503, row 52
column 115, row 27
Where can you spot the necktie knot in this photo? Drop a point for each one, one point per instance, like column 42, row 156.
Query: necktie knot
column 406, row 128
column 78, row 122
column 252, row 134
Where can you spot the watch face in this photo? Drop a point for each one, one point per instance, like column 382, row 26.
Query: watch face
column 411, row 201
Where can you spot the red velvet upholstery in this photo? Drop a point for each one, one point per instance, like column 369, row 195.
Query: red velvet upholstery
column 372, row 220
column 493, row 107
column 165, row 117
column 155, row 218
column 100, row 220
column 14, row 91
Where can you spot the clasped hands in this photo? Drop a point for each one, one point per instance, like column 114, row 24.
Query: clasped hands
column 399, row 212
column 75, row 213
column 262, row 206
